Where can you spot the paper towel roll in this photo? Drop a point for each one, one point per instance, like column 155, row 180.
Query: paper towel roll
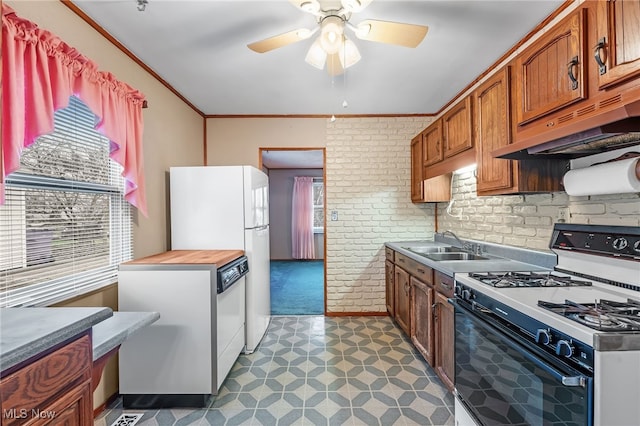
column 616, row 177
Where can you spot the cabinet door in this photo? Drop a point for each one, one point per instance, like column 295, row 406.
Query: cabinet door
column 403, row 300
column 457, row 128
column 551, row 72
column 444, row 340
column 432, row 143
column 417, row 181
column 75, row 408
column 493, row 131
column 422, row 319
column 617, row 52
column 389, row 287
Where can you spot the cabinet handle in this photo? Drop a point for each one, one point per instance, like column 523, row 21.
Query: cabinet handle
column 574, row 81
column 602, row 67
column 445, row 285
column 421, row 270
column 401, row 260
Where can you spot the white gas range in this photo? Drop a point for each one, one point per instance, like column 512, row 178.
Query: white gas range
column 555, row 347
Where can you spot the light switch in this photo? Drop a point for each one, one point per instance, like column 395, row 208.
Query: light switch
column 334, row 215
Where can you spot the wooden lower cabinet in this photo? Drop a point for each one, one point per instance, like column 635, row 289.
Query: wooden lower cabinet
column 422, row 319
column 53, row 390
column 390, row 287
column 402, row 299
column 444, row 330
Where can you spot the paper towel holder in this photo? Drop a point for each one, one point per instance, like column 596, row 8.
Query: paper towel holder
column 625, row 156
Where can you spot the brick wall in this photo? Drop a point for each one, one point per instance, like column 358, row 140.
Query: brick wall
column 368, row 185
column 527, row 220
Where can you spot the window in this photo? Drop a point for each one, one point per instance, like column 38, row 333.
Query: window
column 318, row 206
column 65, row 226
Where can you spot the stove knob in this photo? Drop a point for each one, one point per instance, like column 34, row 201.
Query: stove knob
column 543, row 337
column 620, row 243
column 458, row 290
column 466, row 294
column 564, row 348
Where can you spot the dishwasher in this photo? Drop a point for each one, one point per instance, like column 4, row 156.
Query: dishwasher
column 183, row 358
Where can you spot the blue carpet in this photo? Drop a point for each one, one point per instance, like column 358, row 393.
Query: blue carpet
column 297, row 287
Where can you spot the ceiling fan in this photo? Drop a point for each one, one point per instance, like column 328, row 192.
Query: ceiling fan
column 332, row 48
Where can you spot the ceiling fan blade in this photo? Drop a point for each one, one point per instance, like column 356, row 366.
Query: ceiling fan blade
column 408, row 35
column 281, row 40
column 334, row 66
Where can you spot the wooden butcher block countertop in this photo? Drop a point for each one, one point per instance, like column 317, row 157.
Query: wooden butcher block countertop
column 193, row 257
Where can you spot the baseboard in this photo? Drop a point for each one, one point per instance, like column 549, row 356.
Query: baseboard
column 99, row 409
column 356, row 314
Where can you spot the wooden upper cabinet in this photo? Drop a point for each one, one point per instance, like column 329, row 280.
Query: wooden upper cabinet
column 617, row 52
column 493, row 131
column 432, row 140
column 457, row 128
column 417, row 179
column 550, row 73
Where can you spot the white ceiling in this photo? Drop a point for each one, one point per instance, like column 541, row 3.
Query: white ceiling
column 200, row 49
column 283, row 159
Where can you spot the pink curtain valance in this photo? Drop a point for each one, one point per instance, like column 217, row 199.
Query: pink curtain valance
column 39, row 74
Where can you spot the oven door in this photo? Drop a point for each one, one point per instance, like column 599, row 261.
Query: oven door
column 502, row 381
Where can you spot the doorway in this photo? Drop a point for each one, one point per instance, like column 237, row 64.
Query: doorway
column 297, row 276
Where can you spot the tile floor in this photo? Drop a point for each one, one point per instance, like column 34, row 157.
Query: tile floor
column 315, row 370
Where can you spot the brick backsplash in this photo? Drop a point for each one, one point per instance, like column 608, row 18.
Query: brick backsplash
column 527, row 220
column 367, row 183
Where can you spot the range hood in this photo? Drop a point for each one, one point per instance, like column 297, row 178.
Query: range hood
column 584, row 131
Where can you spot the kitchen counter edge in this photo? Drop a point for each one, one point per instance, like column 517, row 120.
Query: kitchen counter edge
column 538, row 260
column 27, row 332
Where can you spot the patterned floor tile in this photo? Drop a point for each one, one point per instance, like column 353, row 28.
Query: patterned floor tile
column 320, row 371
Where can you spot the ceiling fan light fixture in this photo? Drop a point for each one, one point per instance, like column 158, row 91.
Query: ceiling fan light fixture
column 310, row 6
column 316, row 56
column 349, row 54
column 331, row 34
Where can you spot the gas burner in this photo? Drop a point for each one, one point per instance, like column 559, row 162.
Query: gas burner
column 527, row 279
column 603, row 315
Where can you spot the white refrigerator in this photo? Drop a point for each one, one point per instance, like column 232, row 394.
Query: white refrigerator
column 227, row 207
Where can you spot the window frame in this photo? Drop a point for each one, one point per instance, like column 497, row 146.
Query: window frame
column 318, row 182
column 43, row 284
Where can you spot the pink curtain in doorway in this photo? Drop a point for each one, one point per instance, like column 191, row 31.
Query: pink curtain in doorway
column 39, row 74
column 302, row 219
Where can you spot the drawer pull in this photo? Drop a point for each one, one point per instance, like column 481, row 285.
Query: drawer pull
column 572, row 77
column 401, row 260
column 445, row 285
column 422, row 271
column 602, row 67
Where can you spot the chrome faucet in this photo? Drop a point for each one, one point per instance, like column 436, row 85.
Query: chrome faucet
column 466, row 246
column 448, row 232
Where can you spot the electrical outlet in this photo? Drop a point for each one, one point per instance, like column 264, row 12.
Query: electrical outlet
column 334, row 215
column 563, row 215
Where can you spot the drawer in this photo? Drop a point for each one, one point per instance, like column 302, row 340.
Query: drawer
column 444, row 284
column 415, row 269
column 389, row 253
column 43, row 381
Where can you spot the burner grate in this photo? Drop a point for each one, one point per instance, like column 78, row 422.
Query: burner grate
column 603, row 315
column 527, row 279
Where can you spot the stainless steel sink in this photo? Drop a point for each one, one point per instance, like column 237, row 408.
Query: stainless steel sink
column 454, row 256
column 430, row 249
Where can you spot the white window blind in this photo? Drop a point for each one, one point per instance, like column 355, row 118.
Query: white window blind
column 65, row 226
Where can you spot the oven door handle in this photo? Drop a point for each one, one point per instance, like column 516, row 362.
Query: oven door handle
column 580, row 381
